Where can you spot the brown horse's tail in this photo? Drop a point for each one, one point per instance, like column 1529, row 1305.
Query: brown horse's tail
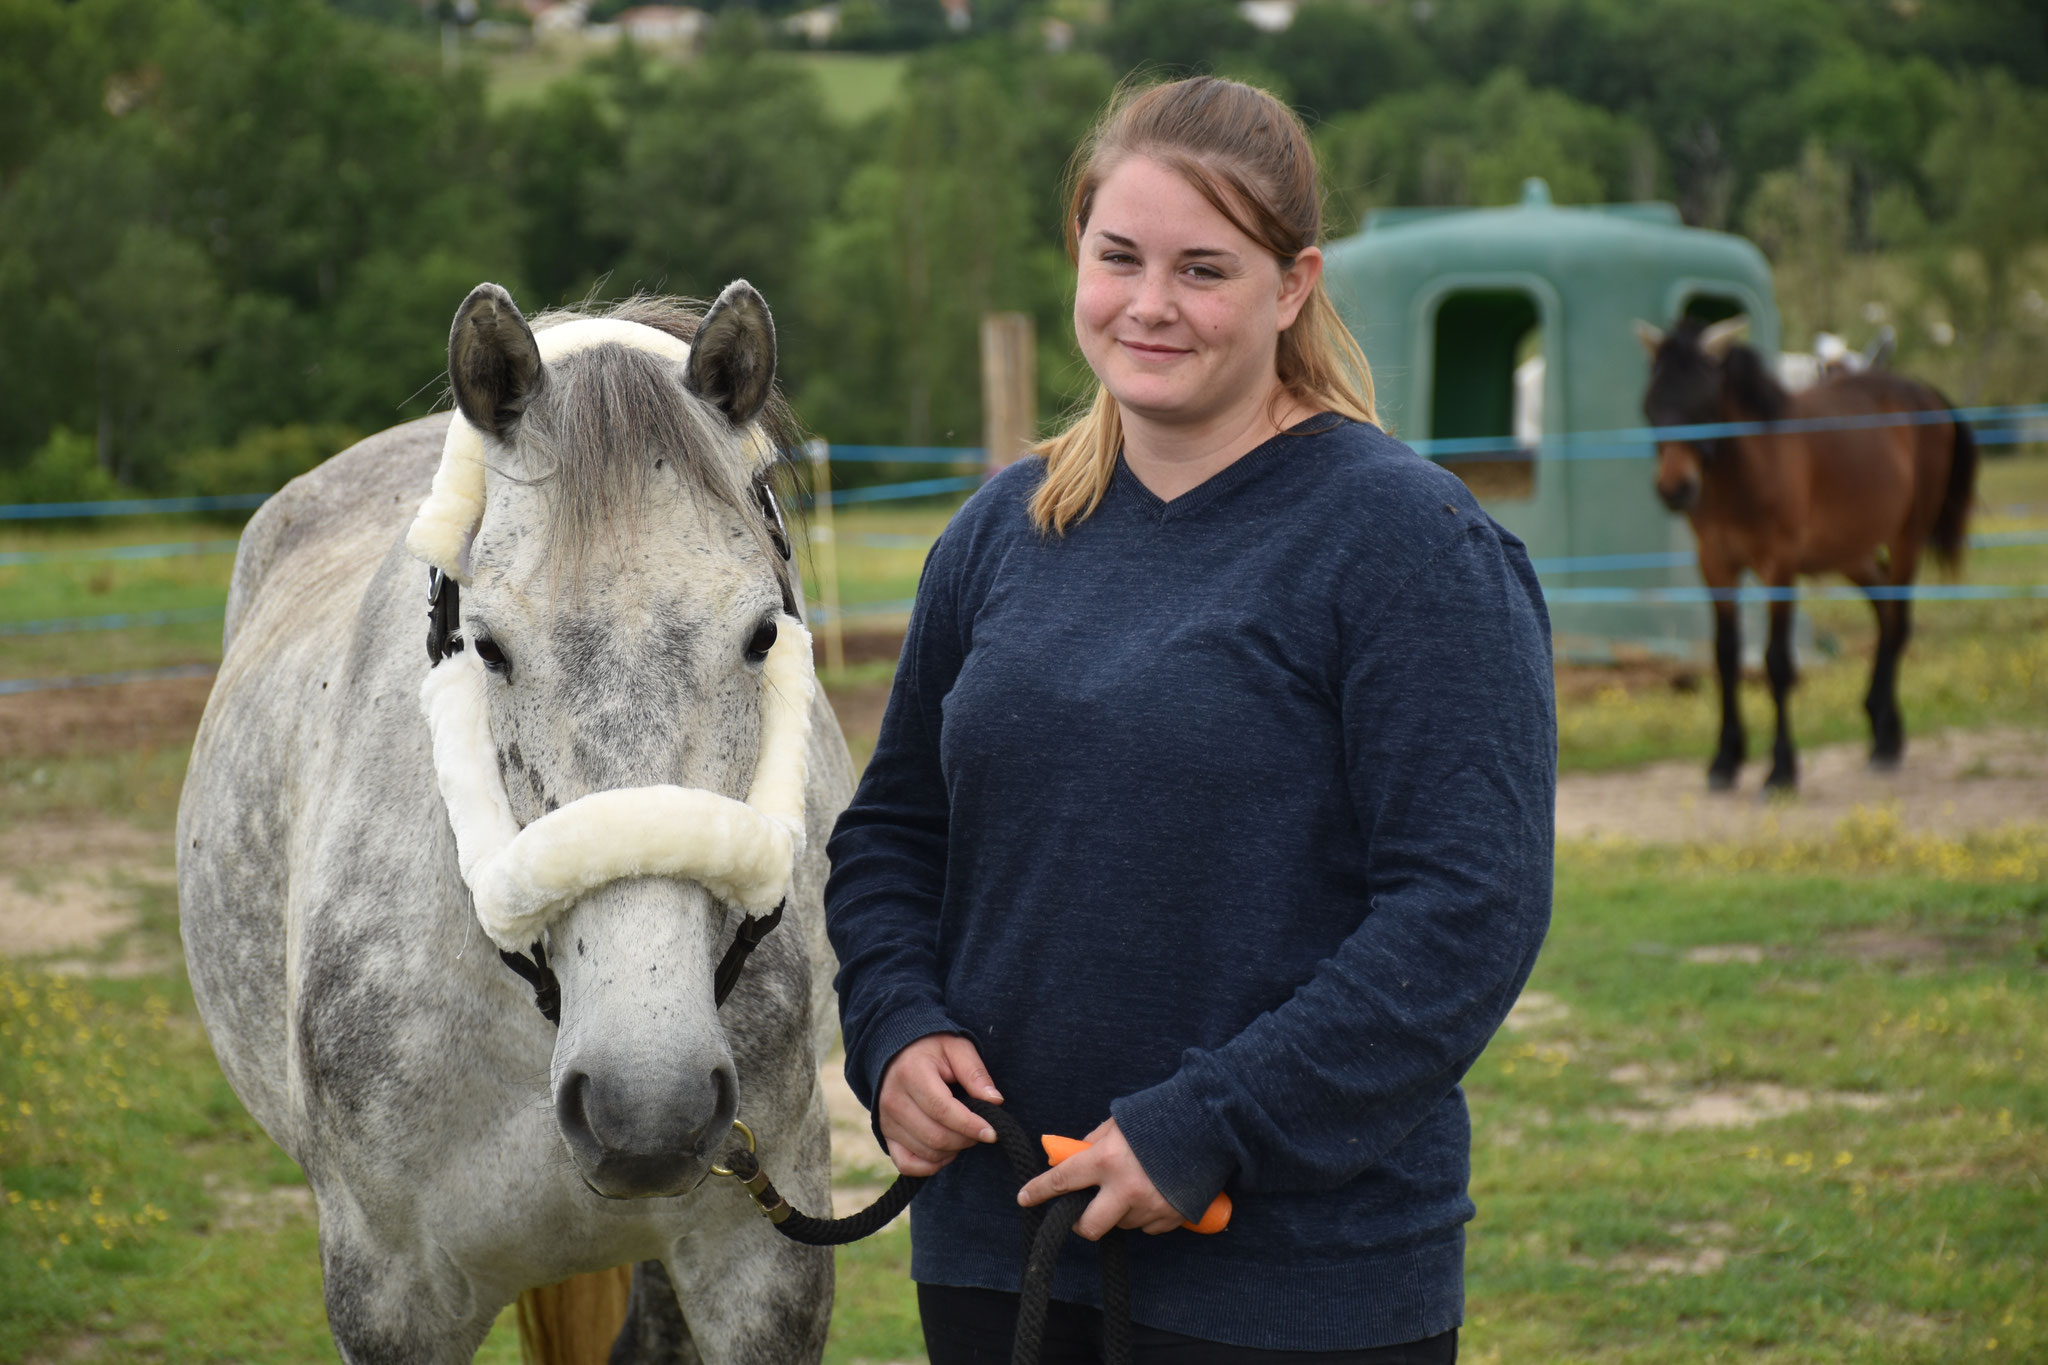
column 1952, row 522
column 576, row 1321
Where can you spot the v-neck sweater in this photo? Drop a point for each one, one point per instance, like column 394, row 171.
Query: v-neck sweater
column 1230, row 816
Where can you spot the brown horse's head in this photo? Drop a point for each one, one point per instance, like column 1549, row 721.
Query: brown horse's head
column 1687, row 388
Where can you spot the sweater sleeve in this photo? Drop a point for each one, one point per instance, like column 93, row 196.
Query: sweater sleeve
column 1451, row 758
column 888, row 853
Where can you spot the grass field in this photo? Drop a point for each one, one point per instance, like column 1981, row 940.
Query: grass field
column 1972, row 664
column 1782, row 1101
column 855, row 85
column 1745, row 1114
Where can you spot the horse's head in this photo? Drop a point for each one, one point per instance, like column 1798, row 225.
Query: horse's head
column 622, row 593
column 1686, row 389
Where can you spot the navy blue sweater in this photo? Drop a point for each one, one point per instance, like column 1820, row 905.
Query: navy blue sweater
column 1230, row 816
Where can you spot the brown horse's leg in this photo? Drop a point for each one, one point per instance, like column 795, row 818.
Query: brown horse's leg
column 1778, row 665
column 1894, row 624
column 1733, row 747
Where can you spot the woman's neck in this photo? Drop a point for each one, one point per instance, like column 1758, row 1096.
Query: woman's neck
column 1170, row 458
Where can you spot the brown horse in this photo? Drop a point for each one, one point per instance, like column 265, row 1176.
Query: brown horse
column 1861, row 501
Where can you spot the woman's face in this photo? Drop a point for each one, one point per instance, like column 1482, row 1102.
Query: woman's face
column 1178, row 312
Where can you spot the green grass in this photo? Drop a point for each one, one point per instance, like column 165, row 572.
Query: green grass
column 1894, row 985
column 855, row 85
column 1971, row 665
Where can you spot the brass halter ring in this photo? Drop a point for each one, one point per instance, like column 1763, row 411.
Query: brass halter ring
column 745, row 1133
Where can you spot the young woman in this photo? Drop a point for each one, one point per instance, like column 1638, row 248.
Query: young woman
column 1211, row 815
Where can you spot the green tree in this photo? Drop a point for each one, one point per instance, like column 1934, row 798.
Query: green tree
column 953, row 219
column 1450, row 146
column 1989, row 168
column 724, row 172
column 1801, row 217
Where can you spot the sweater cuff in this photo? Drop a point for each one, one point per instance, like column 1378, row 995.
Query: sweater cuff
column 1178, row 1142
column 866, row 1064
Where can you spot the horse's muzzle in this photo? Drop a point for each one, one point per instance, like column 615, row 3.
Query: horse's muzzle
column 629, row 1146
column 1682, row 496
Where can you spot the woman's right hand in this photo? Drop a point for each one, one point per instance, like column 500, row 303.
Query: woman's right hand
column 923, row 1124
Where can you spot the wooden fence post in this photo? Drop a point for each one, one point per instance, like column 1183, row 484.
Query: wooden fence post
column 1009, row 387
column 825, row 550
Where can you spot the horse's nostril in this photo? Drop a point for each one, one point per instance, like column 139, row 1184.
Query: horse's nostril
column 572, row 1115
column 725, row 1107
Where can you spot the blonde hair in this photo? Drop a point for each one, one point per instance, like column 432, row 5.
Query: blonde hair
column 1250, row 157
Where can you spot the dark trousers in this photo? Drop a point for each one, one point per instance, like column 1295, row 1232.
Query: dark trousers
column 976, row 1327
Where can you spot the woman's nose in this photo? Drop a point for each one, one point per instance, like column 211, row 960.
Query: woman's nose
column 1153, row 301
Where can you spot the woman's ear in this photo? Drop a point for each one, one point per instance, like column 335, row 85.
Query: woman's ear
column 1297, row 281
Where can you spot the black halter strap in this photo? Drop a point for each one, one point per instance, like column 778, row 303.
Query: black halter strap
column 444, row 637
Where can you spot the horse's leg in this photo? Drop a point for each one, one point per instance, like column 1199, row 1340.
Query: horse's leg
column 1778, row 665
column 1894, row 624
column 751, row 1296
column 387, row 1306
column 1729, row 753
column 655, row 1333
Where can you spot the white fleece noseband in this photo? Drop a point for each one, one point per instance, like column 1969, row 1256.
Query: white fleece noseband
column 742, row 852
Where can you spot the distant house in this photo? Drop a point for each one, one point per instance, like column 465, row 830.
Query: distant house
column 959, row 15
column 815, row 25
column 560, row 20
column 1269, row 16
column 664, row 25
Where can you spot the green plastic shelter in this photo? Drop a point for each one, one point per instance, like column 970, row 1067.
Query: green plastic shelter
column 1457, row 308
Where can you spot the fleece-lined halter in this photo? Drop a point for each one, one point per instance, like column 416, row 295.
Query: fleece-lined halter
column 522, row 878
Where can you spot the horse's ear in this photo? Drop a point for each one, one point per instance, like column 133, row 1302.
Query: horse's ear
column 1651, row 337
column 732, row 357
column 1717, row 340
column 493, row 363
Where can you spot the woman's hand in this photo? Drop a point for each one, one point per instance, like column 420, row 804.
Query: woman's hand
column 1128, row 1198
column 923, row 1124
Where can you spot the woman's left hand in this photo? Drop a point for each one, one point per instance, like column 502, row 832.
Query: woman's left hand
column 1128, row 1198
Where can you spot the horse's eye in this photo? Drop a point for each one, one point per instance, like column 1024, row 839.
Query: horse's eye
column 763, row 641
column 487, row 649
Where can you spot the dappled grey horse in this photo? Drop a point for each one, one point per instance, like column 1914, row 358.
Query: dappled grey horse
column 617, row 758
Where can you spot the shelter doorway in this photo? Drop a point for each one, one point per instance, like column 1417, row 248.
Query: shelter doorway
column 1488, row 376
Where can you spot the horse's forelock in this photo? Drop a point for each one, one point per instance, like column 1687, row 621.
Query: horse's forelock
column 611, row 413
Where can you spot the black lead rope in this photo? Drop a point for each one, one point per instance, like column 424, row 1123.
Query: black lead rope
column 1045, row 1229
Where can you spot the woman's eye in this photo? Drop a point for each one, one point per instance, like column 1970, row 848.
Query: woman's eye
column 487, row 650
column 763, row 641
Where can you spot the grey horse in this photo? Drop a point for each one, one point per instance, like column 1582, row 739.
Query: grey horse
column 617, row 590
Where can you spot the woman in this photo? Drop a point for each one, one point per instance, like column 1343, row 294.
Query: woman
column 1211, row 812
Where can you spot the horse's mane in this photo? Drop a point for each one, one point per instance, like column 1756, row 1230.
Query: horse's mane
column 1745, row 378
column 618, row 415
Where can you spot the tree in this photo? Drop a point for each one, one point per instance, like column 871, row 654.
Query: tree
column 1989, row 168
column 1446, row 145
column 1801, row 217
column 957, row 216
column 723, row 173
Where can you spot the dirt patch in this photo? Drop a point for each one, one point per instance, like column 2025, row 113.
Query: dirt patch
column 1703, row 1250
column 1951, row 783
column 859, row 709
column 1734, row 1106
column 265, row 1210
column 70, row 887
column 1888, row 946
column 161, row 713
column 1536, row 1009
column 1748, row 954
